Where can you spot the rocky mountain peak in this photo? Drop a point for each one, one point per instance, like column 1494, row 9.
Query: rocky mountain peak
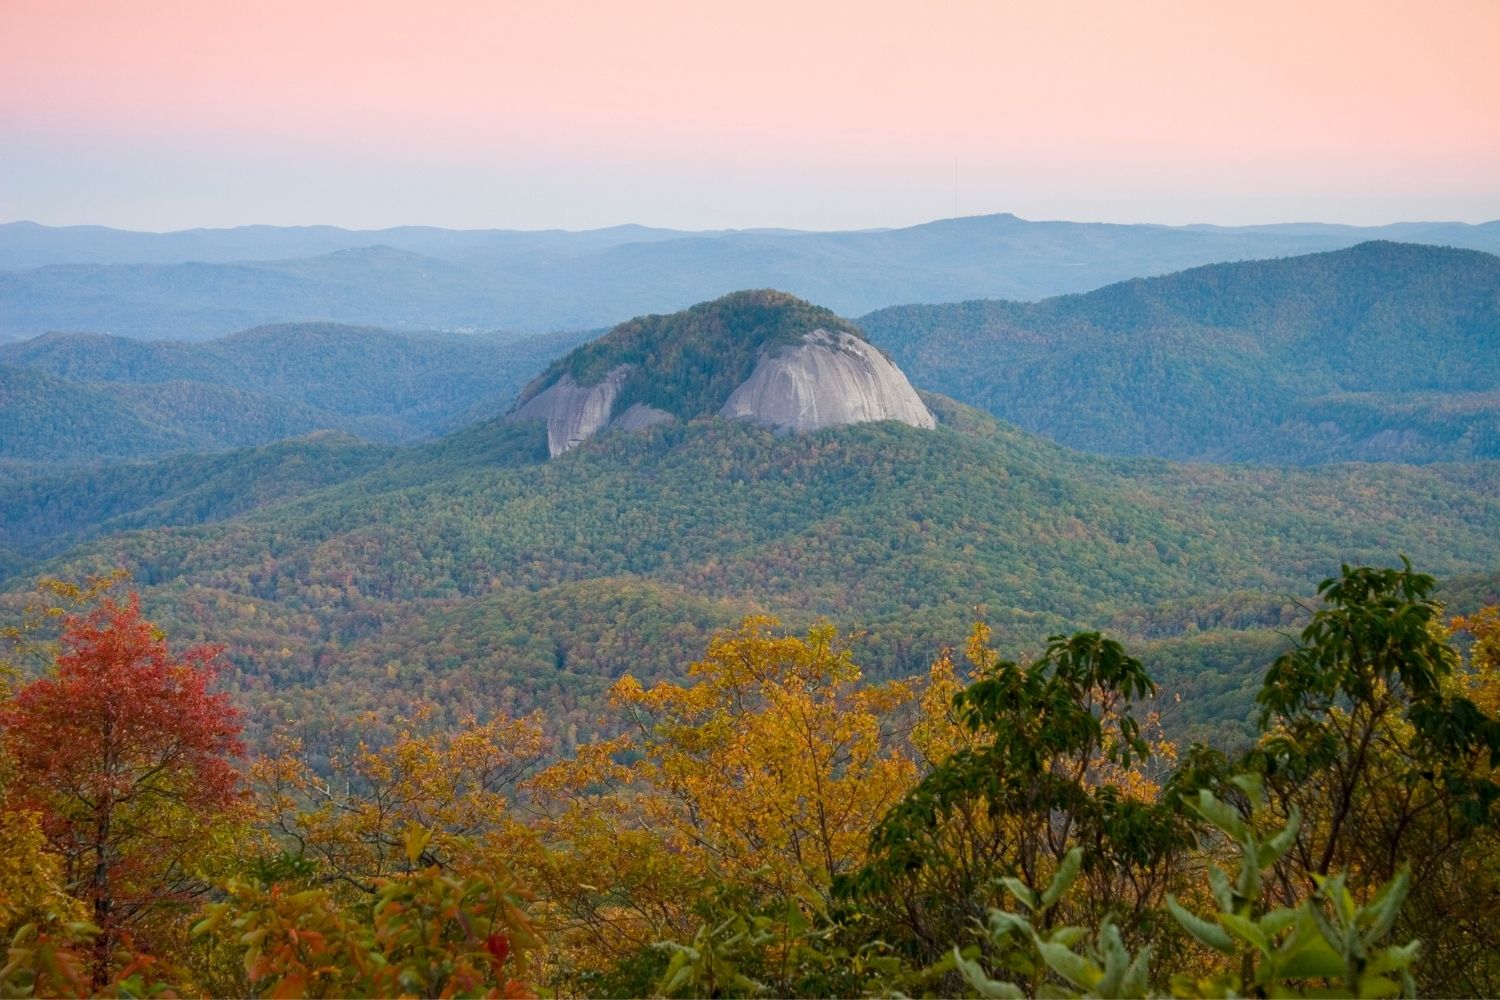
column 762, row 356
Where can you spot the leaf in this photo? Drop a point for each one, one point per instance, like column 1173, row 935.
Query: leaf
column 415, row 840
column 1023, row 893
column 1311, row 959
column 1003, row 923
column 1246, row 930
column 1069, row 936
column 1253, row 785
column 981, row 983
column 1072, row 966
column 1066, row 874
column 1396, row 957
column 1271, row 851
column 1220, row 814
column 1136, row 979
column 1218, row 882
column 1379, row 915
column 1116, row 959
column 1375, row 987
column 1277, row 920
column 1205, row 931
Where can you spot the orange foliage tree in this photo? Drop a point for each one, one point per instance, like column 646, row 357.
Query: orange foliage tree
column 126, row 755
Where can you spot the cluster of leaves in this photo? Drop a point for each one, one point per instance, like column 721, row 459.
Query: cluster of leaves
column 1328, row 938
column 418, row 933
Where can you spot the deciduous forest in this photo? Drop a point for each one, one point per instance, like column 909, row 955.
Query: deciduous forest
column 774, row 823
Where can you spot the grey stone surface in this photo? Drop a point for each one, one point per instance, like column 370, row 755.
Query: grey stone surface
column 574, row 412
column 828, row 380
column 639, row 416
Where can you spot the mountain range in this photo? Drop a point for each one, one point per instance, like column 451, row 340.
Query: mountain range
column 1378, row 352
column 474, row 572
column 201, row 284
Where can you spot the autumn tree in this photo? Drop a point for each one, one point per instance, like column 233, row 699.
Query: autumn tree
column 1482, row 678
column 761, row 777
column 126, row 755
column 350, row 827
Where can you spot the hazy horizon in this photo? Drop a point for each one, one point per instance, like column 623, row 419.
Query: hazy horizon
column 746, row 229
column 167, row 115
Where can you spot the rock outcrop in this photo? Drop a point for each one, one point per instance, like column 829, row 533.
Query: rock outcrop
column 762, row 356
column 828, row 380
column 574, row 413
column 639, row 416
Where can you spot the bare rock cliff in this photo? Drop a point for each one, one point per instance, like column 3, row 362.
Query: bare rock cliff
column 574, row 412
column 828, row 380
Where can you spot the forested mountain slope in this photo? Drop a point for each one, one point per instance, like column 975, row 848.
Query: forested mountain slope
column 45, row 510
column 1379, row 352
column 470, row 572
column 209, row 283
column 77, row 397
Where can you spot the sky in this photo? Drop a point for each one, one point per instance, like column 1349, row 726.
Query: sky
column 169, row 114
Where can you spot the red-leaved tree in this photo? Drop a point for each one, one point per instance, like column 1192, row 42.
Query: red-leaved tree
column 127, row 755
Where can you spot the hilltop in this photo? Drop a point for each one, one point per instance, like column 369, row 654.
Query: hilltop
column 762, row 356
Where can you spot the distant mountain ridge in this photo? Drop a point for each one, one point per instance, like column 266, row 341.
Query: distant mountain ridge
column 81, row 397
column 205, row 283
column 1379, row 352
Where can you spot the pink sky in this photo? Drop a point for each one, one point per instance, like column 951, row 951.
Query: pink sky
column 166, row 114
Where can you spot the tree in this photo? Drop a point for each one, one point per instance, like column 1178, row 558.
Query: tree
column 126, row 754
column 761, row 780
column 353, row 824
column 1373, row 739
column 1047, row 761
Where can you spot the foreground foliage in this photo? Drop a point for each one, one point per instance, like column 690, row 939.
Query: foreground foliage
column 773, row 826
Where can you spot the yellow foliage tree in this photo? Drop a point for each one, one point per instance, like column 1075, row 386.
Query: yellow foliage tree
column 1483, row 674
column 765, row 774
column 456, row 787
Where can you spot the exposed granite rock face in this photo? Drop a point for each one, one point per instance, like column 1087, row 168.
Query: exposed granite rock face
column 639, row 416
column 828, row 380
column 574, row 412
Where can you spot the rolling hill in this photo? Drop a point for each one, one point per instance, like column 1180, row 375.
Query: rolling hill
column 81, row 397
column 1378, row 352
